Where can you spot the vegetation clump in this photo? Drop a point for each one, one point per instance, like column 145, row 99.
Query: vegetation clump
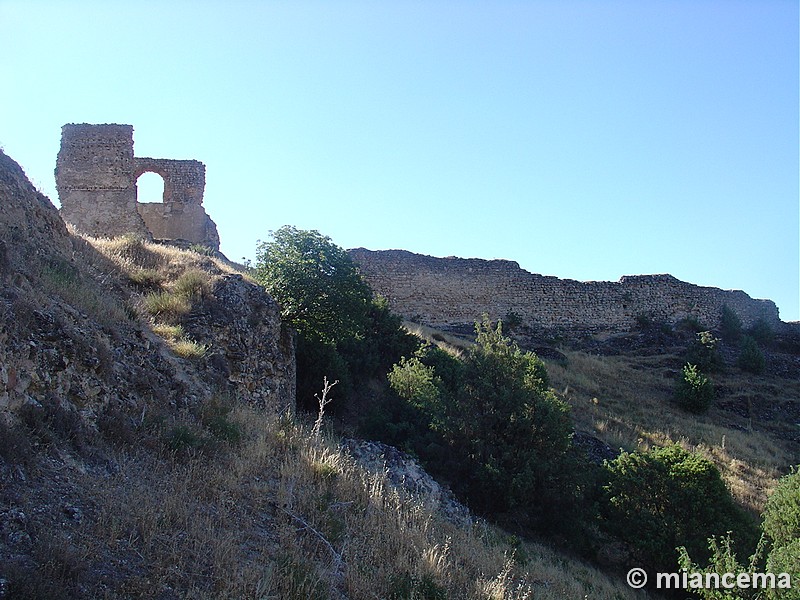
column 695, row 391
column 665, row 498
column 494, row 427
column 751, row 358
column 777, row 553
column 704, row 352
column 343, row 332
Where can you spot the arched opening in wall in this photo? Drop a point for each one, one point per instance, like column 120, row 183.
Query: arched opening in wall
column 150, row 188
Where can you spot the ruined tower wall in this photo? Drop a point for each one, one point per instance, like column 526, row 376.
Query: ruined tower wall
column 96, row 174
column 452, row 293
column 95, row 179
column 181, row 215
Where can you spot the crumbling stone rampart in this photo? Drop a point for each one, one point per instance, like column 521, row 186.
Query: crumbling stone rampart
column 96, row 174
column 452, row 293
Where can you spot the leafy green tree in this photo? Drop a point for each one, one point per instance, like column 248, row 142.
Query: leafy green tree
column 694, row 391
column 316, row 283
column 667, row 497
column 343, row 332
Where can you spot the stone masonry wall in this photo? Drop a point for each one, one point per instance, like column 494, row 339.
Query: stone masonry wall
column 452, row 293
column 96, row 174
column 181, row 215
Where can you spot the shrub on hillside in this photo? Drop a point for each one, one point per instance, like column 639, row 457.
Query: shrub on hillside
column 730, row 324
column 782, row 528
column 695, row 391
column 704, row 352
column 507, row 436
column 751, row 359
column 782, row 513
column 667, row 497
column 762, row 332
column 780, row 541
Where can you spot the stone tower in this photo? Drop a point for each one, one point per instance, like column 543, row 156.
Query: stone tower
column 96, row 174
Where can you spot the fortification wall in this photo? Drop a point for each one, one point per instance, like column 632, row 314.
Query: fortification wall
column 452, row 293
column 96, row 174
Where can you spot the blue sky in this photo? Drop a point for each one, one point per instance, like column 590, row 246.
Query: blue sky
column 583, row 139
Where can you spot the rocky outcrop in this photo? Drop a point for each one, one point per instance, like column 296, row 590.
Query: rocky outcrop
column 251, row 351
column 71, row 338
column 406, row 473
column 30, row 229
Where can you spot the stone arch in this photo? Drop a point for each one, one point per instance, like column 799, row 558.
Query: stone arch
column 150, row 188
column 180, row 216
column 184, row 180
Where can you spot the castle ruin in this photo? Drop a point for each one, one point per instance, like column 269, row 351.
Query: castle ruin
column 452, row 293
column 96, row 174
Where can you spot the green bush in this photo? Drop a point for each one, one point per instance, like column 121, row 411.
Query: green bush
column 780, row 539
column 380, row 344
column 762, row 332
column 786, row 559
column 414, row 382
column 504, row 435
column 704, row 352
column 782, row 513
column 751, row 359
column 667, row 497
column 694, row 391
column 730, row 324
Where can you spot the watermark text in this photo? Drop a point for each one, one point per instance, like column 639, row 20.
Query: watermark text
column 686, row 580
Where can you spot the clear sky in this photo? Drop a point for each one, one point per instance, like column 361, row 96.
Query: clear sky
column 583, row 139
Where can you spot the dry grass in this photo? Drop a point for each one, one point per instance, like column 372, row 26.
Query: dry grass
column 176, row 279
column 627, row 402
column 146, row 278
column 166, row 305
column 286, row 515
column 448, row 342
column 186, row 348
column 65, row 280
column 133, row 255
column 168, row 332
column 192, row 283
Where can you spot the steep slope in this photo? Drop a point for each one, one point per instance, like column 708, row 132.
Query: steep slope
column 82, row 368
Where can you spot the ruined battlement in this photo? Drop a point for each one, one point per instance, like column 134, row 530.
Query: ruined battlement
column 96, row 174
column 452, row 293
